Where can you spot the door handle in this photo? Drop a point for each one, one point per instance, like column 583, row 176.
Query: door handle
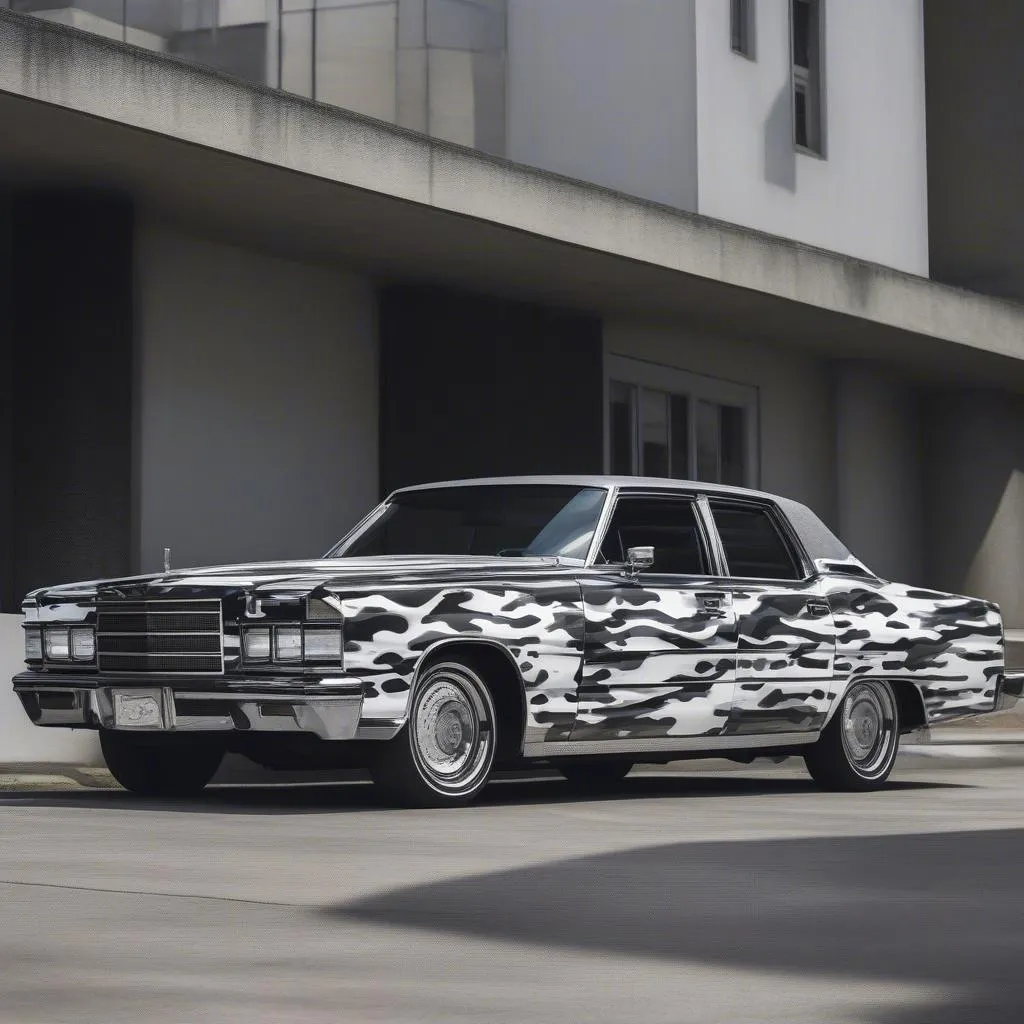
column 818, row 609
column 712, row 606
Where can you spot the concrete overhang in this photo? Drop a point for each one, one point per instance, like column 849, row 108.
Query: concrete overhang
column 255, row 166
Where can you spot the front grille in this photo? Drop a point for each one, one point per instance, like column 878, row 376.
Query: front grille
column 160, row 637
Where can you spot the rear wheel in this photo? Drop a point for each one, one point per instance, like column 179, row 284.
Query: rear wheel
column 444, row 755
column 587, row 774
column 857, row 750
column 156, row 766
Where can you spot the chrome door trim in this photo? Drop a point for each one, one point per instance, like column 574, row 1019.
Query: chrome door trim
column 668, row 744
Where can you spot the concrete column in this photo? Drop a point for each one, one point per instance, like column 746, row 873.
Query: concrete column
column 8, row 598
column 975, row 489
column 73, row 335
column 879, row 470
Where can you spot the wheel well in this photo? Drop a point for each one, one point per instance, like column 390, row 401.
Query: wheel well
column 501, row 676
column 911, row 704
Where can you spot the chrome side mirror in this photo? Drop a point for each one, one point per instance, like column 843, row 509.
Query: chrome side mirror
column 639, row 559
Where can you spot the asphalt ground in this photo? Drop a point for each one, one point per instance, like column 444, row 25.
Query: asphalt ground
column 710, row 893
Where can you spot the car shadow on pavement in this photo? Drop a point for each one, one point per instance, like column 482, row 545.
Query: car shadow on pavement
column 943, row 910
column 343, row 797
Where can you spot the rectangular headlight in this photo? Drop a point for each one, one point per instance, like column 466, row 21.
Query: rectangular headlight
column 323, row 645
column 57, row 643
column 287, row 643
column 33, row 644
column 256, row 644
column 83, row 643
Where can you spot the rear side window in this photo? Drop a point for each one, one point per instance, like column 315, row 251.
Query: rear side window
column 754, row 547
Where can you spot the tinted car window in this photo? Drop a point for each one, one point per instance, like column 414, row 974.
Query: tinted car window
column 754, row 547
column 500, row 519
column 667, row 524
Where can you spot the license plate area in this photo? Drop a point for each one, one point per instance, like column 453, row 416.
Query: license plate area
column 139, row 709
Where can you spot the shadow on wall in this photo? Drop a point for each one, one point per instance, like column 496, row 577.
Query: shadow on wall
column 974, row 458
column 888, row 907
column 22, row 742
column 779, row 154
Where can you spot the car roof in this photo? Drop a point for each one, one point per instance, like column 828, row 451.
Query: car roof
column 582, row 480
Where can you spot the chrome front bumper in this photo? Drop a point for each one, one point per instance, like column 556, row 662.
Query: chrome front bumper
column 1009, row 690
column 328, row 707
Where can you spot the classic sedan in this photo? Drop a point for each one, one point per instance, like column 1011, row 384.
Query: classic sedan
column 589, row 623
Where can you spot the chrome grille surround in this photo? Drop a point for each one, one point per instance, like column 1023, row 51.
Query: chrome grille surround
column 160, row 637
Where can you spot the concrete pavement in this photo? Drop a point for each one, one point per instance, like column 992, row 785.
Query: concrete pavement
column 735, row 895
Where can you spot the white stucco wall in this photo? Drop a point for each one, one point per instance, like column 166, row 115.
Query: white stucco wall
column 21, row 742
column 604, row 92
column 796, row 409
column 868, row 197
column 257, row 376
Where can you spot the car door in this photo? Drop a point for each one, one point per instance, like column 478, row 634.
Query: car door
column 660, row 644
column 786, row 632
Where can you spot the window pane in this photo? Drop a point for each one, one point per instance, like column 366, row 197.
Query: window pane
column 679, row 423
column 732, row 445
column 667, row 524
column 738, row 25
column 654, row 427
column 707, row 442
column 621, row 421
column 742, row 26
column 800, row 116
column 753, row 546
column 802, row 33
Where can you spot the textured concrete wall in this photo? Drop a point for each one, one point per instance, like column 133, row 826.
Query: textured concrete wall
column 976, row 144
column 606, row 91
column 20, row 740
column 975, row 489
column 794, row 400
column 257, row 403
column 144, row 90
column 879, row 471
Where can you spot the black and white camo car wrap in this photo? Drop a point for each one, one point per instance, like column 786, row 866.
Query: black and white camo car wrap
column 604, row 656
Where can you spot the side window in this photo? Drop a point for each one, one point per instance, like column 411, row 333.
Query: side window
column 754, row 547
column 667, row 524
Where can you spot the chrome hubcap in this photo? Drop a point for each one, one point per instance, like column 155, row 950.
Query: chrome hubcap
column 868, row 726
column 451, row 728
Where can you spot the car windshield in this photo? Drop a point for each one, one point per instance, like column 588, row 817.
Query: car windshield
column 510, row 520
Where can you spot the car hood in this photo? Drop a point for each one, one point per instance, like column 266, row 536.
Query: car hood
column 303, row 575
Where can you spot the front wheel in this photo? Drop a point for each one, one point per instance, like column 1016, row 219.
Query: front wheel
column 857, row 750
column 158, row 767
column 444, row 755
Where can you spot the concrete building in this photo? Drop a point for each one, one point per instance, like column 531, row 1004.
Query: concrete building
column 263, row 260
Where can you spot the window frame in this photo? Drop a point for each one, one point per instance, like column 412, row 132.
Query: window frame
column 743, row 28
column 695, row 387
column 710, row 542
column 810, row 81
column 794, row 547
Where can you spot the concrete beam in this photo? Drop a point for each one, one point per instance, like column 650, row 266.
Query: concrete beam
column 467, row 217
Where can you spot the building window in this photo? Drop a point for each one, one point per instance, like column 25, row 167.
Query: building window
column 742, row 25
column 668, row 423
column 806, row 19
